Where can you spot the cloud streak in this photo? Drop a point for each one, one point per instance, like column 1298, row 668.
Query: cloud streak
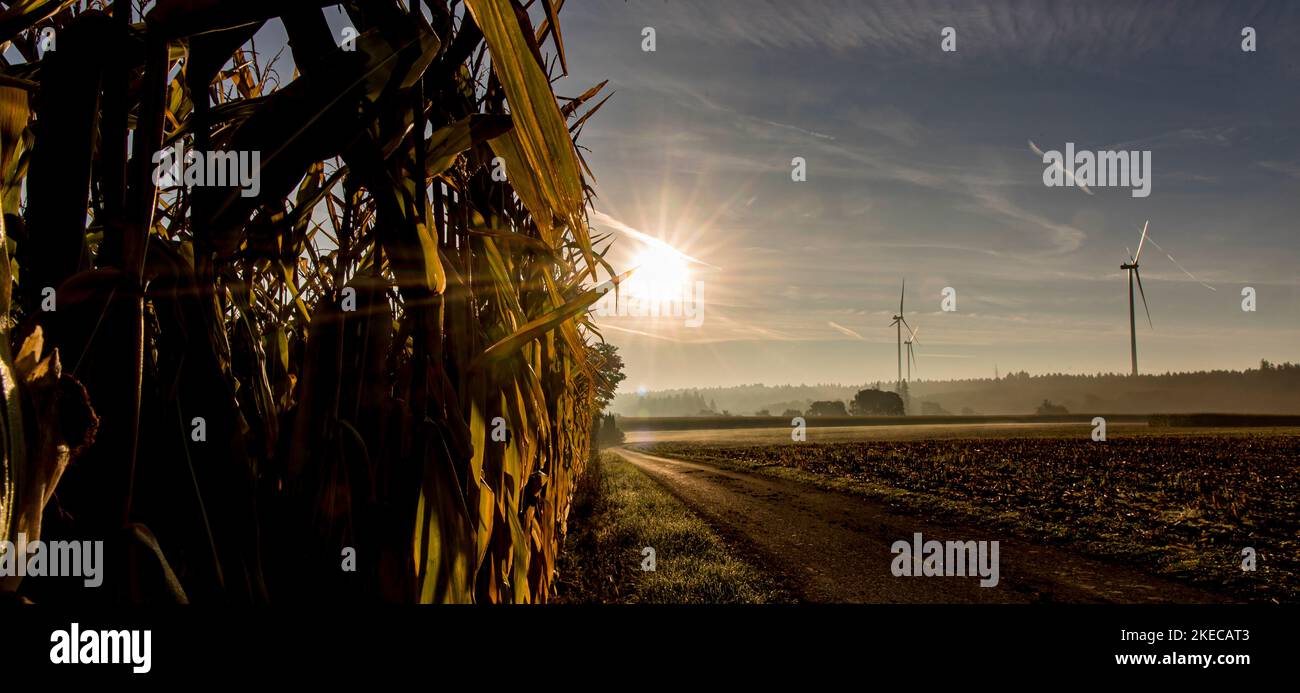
column 645, row 238
column 844, row 330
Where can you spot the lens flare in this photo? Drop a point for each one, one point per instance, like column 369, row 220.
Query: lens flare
column 660, row 274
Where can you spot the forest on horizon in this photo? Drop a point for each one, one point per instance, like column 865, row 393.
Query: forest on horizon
column 1269, row 389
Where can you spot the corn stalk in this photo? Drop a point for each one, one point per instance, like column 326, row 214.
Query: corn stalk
column 384, row 351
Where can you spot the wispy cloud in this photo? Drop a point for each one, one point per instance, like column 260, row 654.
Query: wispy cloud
column 1184, row 136
column 1286, row 168
column 659, row 336
column 844, row 330
column 610, row 222
column 1027, row 31
column 889, row 122
column 1057, row 165
column 1063, row 237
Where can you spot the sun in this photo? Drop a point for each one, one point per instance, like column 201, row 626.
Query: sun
column 660, row 274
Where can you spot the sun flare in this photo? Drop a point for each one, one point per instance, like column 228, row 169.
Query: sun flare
column 660, row 273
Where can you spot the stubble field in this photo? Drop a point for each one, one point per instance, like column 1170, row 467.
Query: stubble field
column 1183, row 505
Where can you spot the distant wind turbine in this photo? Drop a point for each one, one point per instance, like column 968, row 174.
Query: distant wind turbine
column 911, row 356
column 1133, row 273
column 899, row 322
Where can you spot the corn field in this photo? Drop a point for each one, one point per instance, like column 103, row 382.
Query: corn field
column 382, row 353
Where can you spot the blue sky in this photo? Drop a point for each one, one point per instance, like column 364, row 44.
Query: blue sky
column 918, row 166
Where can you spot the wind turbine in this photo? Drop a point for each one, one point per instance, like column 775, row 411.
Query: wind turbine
column 1134, row 273
column 899, row 322
column 911, row 356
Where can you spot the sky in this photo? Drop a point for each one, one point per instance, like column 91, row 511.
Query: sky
column 918, row 167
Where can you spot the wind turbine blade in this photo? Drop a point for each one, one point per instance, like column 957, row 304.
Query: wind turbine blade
column 914, row 333
column 1142, row 242
column 900, row 296
column 1138, row 274
column 904, row 321
column 1180, row 266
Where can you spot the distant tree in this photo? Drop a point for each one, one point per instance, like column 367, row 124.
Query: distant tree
column 967, row 411
column 877, row 402
column 607, row 431
column 609, row 367
column 604, row 433
column 614, row 434
column 762, row 412
column 827, row 408
column 1048, row 409
column 1274, row 389
column 791, row 413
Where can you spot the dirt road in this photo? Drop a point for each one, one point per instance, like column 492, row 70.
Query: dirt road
column 833, row 547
